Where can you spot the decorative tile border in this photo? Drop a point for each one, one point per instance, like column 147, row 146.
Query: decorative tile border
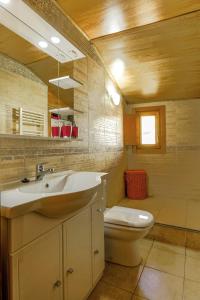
column 13, row 66
column 175, row 235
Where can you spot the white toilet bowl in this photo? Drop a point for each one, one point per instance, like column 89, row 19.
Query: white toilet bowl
column 124, row 227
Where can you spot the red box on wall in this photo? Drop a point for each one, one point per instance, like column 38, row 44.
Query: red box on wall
column 55, row 131
column 66, row 131
column 136, row 184
column 74, row 131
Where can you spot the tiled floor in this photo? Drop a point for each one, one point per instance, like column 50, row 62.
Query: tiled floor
column 174, row 211
column 167, row 273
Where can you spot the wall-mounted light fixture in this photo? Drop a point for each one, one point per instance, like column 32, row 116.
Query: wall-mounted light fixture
column 113, row 94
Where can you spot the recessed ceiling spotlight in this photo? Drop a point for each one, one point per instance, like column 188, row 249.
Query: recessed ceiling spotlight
column 4, row 1
column 43, row 44
column 55, row 40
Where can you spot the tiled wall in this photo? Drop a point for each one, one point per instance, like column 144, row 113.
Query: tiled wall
column 101, row 147
column 174, row 177
column 100, row 123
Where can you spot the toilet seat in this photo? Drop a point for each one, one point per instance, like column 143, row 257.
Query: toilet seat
column 128, row 217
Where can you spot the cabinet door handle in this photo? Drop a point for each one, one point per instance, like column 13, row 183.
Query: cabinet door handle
column 96, row 252
column 70, row 271
column 100, row 210
column 57, row 284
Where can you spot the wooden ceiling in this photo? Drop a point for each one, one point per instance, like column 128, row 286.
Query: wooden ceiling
column 151, row 47
column 102, row 17
column 161, row 60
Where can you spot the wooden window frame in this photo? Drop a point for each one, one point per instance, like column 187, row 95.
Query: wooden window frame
column 159, row 112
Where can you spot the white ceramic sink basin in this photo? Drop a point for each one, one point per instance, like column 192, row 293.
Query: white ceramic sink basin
column 56, row 195
column 53, row 184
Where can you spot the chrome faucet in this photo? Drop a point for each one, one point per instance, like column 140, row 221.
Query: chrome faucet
column 41, row 172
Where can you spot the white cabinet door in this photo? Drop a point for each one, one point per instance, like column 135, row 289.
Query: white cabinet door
column 77, row 256
column 97, row 241
column 36, row 271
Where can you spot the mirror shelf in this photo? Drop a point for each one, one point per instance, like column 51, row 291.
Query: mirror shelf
column 65, row 82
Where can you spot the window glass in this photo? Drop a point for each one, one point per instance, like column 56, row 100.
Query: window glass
column 148, row 130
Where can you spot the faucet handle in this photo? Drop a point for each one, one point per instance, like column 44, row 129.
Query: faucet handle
column 40, row 166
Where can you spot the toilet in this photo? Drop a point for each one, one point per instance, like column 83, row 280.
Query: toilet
column 124, row 227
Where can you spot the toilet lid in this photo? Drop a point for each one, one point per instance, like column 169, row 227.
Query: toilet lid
column 128, row 216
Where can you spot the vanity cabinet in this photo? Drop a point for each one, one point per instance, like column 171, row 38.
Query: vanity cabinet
column 98, row 263
column 36, row 270
column 77, row 256
column 64, row 263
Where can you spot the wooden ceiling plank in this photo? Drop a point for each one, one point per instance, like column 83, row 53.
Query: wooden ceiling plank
column 161, row 60
column 99, row 18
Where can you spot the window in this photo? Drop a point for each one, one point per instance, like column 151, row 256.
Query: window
column 150, row 129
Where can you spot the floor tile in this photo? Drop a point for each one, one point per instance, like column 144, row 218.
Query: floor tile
column 193, row 220
column 156, row 285
column 138, row 298
column 103, row 291
column 145, row 246
column 192, row 268
column 165, row 258
column 169, row 247
column 193, row 253
column 191, row 290
column 122, row 277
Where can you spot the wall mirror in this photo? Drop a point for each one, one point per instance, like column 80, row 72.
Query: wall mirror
column 36, row 89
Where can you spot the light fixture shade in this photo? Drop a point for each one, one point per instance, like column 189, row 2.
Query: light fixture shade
column 65, row 82
column 4, row 1
column 43, row 44
column 113, row 94
column 21, row 19
column 116, row 98
column 55, row 40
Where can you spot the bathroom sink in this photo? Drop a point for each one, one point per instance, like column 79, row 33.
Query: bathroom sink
column 56, row 195
column 53, row 184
